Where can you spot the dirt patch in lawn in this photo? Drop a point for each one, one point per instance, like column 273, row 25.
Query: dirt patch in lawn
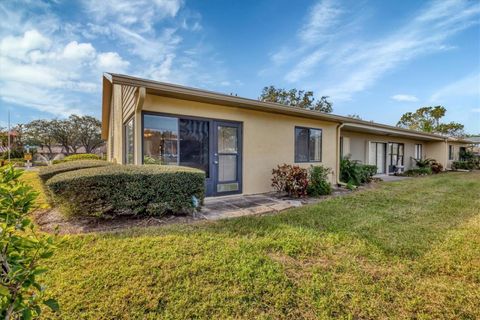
column 52, row 220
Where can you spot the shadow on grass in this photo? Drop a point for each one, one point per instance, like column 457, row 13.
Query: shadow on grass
column 403, row 218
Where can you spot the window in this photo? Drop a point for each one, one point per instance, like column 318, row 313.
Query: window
column 194, row 139
column 450, row 152
column 176, row 141
column 308, row 145
column 418, row 151
column 129, row 141
column 160, row 140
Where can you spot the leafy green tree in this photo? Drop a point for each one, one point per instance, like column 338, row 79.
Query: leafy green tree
column 88, row 132
column 427, row 119
column 40, row 133
column 21, row 251
column 296, row 98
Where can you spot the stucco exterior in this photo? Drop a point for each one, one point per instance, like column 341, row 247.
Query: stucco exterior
column 268, row 139
column 359, row 143
column 268, row 130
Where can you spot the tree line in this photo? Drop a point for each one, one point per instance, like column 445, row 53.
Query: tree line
column 71, row 134
column 425, row 119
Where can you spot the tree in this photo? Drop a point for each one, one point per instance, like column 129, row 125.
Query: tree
column 354, row 116
column 40, row 133
column 296, row 98
column 88, row 132
column 427, row 119
column 65, row 133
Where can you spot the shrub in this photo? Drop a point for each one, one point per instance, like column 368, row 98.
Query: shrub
column 318, row 184
column 18, row 162
column 435, row 166
column 21, row 251
column 50, row 171
column 76, row 157
column 353, row 172
column 128, row 190
column 290, row 179
column 418, row 172
column 82, row 156
column 463, row 165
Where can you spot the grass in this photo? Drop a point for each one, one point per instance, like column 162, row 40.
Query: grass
column 408, row 249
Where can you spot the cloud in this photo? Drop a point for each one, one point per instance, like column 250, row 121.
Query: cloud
column 404, row 98
column 75, row 51
column 476, row 110
column 111, row 62
column 40, row 72
column 141, row 14
column 329, row 50
column 466, row 86
column 322, row 17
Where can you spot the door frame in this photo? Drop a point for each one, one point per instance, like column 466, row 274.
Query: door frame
column 391, row 166
column 214, row 156
column 210, row 185
column 385, row 171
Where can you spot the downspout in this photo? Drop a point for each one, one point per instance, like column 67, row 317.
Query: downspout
column 339, row 127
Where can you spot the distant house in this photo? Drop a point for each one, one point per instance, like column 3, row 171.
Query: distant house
column 238, row 141
column 58, row 152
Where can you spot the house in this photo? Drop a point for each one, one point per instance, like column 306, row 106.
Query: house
column 238, row 141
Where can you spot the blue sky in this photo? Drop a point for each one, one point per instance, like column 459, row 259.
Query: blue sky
column 377, row 59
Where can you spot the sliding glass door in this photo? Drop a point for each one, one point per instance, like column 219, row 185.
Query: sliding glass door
column 377, row 156
column 396, row 155
column 209, row 145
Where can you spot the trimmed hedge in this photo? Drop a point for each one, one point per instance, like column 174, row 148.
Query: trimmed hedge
column 76, row 157
column 50, row 171
column 152, row 190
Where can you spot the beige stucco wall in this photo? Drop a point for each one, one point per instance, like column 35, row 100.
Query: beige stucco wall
column 268, row 139
column 359, row 147
column 456, row 152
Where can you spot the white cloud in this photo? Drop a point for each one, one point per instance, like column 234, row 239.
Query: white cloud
column 141, row 14
column 405, row 98
column 322, row 17
column 329, row 50
column 467, row 86
column 75, row 51
column 19, row 47
column 476, row 110
column 111, row 62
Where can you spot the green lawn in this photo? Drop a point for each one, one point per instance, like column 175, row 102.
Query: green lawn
column 408, row 249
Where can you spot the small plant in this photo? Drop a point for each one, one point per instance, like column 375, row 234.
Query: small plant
column 290, row 179
column 423, row 163
column 463, row 165
column 353, row 172
column 318, row 184
column 418, row 172
column 21, row 251
column 435, row 166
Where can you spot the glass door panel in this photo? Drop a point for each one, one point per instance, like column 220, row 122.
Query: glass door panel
column 380, row 157
column 227, row 158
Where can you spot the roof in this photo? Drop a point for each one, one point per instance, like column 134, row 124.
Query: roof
column 475, row 139
column 194, row 94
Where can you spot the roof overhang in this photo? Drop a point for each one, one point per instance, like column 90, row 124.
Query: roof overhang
column 393, row 132
column 199, row 95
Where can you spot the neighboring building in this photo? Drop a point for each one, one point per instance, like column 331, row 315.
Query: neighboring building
column 58, row 152
column 238, row 141
column 475, row 144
